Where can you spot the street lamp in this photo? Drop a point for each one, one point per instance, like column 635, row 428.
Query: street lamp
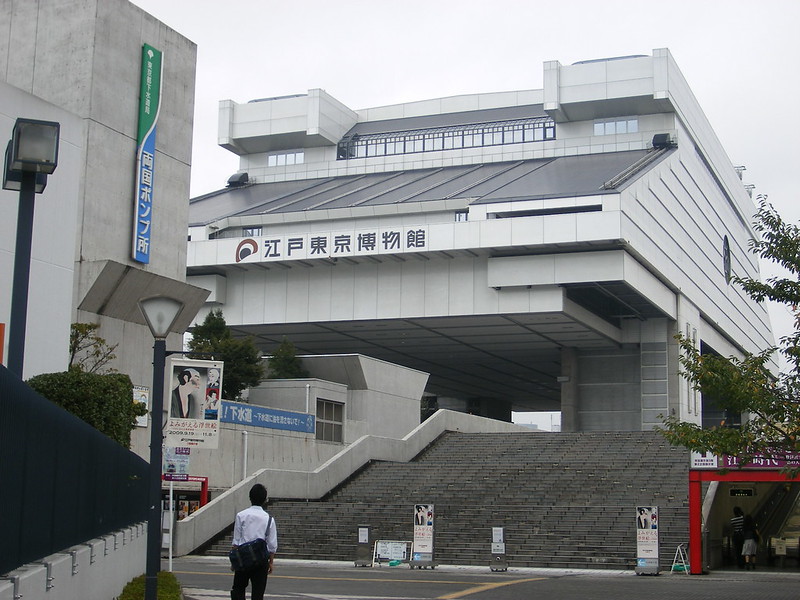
column 31, row 155
column 160, row 312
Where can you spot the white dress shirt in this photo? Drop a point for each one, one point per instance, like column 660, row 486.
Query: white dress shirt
column 251, row 524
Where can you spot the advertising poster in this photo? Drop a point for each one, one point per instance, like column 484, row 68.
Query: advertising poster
column 141, row 394
column 423, row 532
column 176, row 464
column 646, row 539
column 193, row 400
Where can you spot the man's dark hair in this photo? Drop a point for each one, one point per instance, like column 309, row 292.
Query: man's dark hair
column 258, row 495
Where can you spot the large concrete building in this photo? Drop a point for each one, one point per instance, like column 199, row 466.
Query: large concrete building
column 533, row 250
column 80, row 63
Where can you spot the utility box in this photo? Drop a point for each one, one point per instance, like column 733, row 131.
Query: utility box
column 499, row 561
column 363, row 548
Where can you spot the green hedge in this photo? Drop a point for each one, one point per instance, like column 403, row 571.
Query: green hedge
column 168, row 588
column 104, row 401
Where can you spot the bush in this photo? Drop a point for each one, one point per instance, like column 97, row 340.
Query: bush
column 104, row 401
column 168, row 588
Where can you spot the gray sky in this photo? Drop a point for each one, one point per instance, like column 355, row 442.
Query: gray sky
column 741, row 59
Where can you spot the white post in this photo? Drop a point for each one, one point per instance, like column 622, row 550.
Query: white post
column 171, row 514
column 308, row 397
column 244, row 455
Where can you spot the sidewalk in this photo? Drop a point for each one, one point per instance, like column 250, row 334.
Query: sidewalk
column 209, row 579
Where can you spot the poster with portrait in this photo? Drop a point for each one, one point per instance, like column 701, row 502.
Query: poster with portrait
column 647, row 539
column 423, row 533
column 192, row 398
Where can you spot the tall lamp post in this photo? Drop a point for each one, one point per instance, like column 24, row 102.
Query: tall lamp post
column 160, row 313
column 31, row 155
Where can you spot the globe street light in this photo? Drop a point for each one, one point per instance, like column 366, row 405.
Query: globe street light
column 160, row 313
column 31, row 155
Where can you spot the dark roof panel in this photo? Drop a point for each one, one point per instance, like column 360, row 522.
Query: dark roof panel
column 482, row 183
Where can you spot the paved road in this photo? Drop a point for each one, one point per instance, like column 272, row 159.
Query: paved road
column 210, row 579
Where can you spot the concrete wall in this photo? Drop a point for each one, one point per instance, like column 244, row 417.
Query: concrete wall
column 380, row 399
column 96, row 570
column 84, row 56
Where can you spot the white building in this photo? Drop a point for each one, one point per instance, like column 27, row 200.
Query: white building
column 531, row 250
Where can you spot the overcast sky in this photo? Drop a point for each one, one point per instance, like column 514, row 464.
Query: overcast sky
column 740, row 57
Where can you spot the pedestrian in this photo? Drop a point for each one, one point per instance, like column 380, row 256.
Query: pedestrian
column 750, row 546
column 251, row 524
column 737, row 539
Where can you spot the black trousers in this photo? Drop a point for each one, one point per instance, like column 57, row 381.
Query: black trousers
column 257, row 577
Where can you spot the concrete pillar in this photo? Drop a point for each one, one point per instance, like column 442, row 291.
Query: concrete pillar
column 569, row 390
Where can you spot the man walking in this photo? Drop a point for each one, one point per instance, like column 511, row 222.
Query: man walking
column 251, row 524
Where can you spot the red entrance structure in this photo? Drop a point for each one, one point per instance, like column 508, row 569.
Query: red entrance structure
column 761, row 470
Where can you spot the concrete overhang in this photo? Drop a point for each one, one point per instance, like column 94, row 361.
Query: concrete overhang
column 590, row 268
column 118, row 288
column 284, row 123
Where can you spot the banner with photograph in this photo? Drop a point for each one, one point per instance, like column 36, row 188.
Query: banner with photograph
column 192, row 393
column 423, row 533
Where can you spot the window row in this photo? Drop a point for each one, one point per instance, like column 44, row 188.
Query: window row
column 615, row 126
column 285, row 158
column 494, row 134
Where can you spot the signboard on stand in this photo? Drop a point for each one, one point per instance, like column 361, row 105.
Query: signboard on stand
column 647, row 540
column 422, row 550
column 193, row 403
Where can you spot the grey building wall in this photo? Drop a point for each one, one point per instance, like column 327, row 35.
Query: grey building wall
column 84, row 56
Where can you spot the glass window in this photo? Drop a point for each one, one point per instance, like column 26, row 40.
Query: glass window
column 300, row 158
column 599, row 129
column 272, row 160
column 610, row 128
column 622, row 127
column 330, row 421
column 450, row 138
column 633, row 126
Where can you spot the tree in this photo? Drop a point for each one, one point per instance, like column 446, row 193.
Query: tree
column 770, row 403
column 89, row 352
column 242, row 358
column 104, row 401
column 284, row 364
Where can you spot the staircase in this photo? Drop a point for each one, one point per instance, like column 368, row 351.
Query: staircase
column 565, row 500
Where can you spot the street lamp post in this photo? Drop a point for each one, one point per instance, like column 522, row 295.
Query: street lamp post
column 160, row 313
column 31, row 155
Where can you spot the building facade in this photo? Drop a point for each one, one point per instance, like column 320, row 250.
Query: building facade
column 531, row 250
column 82, row 63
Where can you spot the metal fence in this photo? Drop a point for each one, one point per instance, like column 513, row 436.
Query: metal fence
column 62, row 482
